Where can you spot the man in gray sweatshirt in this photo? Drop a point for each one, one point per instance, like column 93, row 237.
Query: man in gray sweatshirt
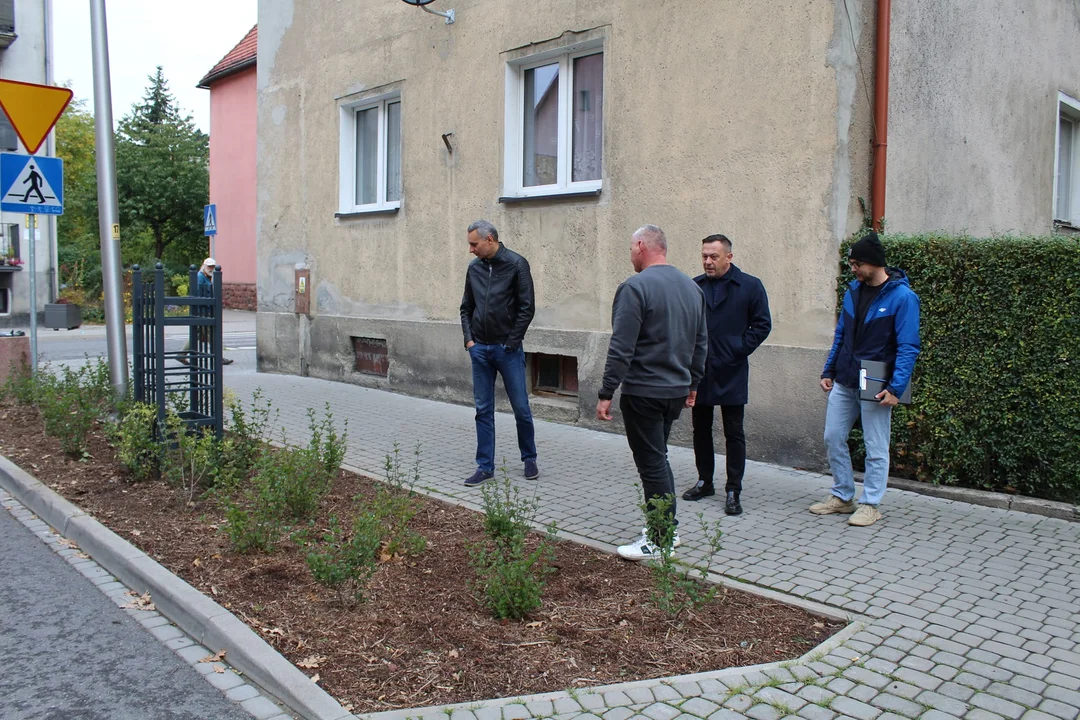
column 657, row 353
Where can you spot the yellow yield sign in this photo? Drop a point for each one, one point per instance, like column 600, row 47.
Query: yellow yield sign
column 32, row 109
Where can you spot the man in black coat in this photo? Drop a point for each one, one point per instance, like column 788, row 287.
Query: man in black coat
column 737, row 310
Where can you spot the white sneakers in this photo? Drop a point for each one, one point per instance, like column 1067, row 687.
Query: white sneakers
column 645, row 549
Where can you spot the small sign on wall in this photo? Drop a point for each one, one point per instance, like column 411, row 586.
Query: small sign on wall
column 303, row 292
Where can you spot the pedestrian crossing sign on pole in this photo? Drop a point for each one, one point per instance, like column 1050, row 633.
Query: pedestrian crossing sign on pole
column 32, row 185
column 210, row 219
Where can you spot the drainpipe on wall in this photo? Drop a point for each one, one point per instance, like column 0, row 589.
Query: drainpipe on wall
column 881, row 113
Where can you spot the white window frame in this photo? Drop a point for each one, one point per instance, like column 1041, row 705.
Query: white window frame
column 513, row 161
column 347, row 156
column 1071, row 107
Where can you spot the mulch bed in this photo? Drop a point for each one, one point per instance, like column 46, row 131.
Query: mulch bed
column 422, row 638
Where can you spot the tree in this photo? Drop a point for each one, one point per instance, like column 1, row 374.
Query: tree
column 77, row 228
column 75, row 145
column 162, row 178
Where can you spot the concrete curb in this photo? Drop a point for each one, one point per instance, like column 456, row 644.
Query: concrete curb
column 986, row 498
column 196, row 614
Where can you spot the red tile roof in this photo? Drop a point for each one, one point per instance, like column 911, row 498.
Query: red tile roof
column 240, row 57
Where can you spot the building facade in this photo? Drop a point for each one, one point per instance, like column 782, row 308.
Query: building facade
column 383, row 132
column 26, row 56
column 232, row 169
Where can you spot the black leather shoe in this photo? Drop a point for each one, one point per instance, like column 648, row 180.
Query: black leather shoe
column 701, row 490
column 732, row 506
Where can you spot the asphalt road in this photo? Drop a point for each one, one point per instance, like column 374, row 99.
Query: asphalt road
column 68, row 652
column 64, row 345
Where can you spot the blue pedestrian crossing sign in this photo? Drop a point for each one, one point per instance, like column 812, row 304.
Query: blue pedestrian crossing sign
column 210, row 219
column 31, row 184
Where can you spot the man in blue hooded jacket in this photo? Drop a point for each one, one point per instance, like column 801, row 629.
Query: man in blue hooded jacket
column 879, row 321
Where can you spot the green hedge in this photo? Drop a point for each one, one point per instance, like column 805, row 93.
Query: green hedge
column 996, row 394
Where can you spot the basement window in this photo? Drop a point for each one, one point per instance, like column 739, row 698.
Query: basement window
column 371, row 356
column 554, row 375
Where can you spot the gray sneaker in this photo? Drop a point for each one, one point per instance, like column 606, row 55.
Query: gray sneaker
column 832, row 504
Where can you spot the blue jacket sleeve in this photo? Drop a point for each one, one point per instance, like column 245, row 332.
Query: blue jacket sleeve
column 907, row 344
column 829, row 370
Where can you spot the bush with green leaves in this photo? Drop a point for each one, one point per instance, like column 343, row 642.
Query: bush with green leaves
column 71, row 401
column 135, row 439
column 675, row 588
column 190, row 457
column 512, row 564
column 21, row 385
column 380, row 530
column 253, row 518
column 395, row 504
column 286, row 486
column 243, row 443
column 345, row 562
column 996, row 389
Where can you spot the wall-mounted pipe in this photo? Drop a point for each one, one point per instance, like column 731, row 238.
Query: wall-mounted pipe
column 881, row 112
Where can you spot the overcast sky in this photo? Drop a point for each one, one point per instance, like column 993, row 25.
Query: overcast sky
column 185, row 37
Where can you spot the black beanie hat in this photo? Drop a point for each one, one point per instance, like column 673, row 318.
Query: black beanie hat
column 868, row 250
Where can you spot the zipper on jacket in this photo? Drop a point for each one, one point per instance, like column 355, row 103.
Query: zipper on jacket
column 487, row 303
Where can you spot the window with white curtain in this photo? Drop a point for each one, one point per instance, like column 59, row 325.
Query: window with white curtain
column 1067, row 162
column 555, row 124
column 370, row 156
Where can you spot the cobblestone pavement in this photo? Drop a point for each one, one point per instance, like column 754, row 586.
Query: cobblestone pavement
column 67, row 652
column 967, row 611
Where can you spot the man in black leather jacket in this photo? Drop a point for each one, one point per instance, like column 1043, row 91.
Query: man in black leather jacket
column 496, row 310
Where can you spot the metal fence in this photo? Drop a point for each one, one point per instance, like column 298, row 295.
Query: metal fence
column 186, row 381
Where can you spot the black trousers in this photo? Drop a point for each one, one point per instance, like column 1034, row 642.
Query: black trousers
column 648, row 424
column 735, row 439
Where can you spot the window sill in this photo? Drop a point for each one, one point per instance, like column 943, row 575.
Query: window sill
column 581, row 195
column 366, row 213
column 1063, row 225
column 10, row 268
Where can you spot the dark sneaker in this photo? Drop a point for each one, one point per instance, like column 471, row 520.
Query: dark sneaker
column 226, row 361
column 478, row 478
column 701, row 490
column 531, row 470
column 732, row 506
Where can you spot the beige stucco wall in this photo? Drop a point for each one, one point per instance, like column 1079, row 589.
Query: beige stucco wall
column 725, row 116
column 973, row 112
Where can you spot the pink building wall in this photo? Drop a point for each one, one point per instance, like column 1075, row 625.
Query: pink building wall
column 232, row 176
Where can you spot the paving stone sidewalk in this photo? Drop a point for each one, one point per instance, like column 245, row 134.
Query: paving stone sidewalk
column 970, row 612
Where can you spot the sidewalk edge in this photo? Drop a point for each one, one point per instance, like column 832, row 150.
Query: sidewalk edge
column 987, row 498
column 195, row 613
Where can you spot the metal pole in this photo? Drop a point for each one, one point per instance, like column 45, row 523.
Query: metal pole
column 50, row 150
column 108, row 211
column 31, row 222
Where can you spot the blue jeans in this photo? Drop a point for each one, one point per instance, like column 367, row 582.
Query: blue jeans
column 486, row 361
column 843, row 410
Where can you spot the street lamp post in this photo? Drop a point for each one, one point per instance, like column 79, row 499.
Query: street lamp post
column 108, row 210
